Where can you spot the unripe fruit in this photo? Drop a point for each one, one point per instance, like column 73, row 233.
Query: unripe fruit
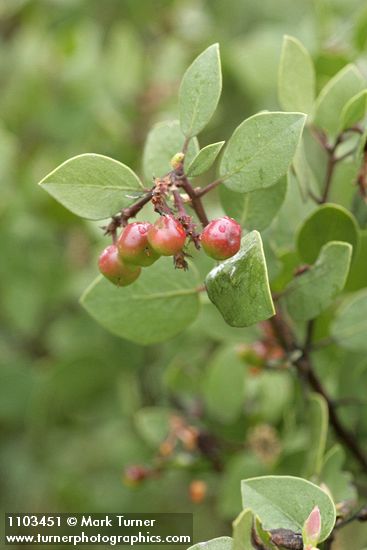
column 133, row 245
column 166, row 236
column 114, row 269
column 221, row 238
column 197, row 491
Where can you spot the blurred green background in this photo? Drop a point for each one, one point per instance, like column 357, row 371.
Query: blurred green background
column 75, row 402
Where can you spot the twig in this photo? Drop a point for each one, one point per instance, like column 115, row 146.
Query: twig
column 344, row 156
column 305, row 369
column 286, row 539
column 135, row 208
column 328, row 177
column 179, row 203
column 200, row 192
column 195, row 199
column 359, row 515
column 121, row 219
column 332, row 158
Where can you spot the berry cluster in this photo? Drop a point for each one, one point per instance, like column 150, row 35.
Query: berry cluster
column 140, row 244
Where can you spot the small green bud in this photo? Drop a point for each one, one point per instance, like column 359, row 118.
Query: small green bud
column 177, row 160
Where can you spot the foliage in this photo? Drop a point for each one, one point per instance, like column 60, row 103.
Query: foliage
column 276, row 403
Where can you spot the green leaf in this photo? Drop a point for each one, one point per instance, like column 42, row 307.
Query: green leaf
column 239, row 286
column 293, row 211
column 261, row 150
column 289, row 263
column 359, row 154
column 343, row 86
column 314, row 290
column 285, row 502
column 153, row 424
column 330, row 222
column 221, row 543
column 273, row 393
column 335, row 478
column 296, row 79
column 242, row 531
column 349, row 328
column 303, row 172
column 318, row 419
column 273, row 263
column 354, row 110
column 257, row 209
column 200, row 91
column 93, row 186
column 204, row 159
column 224, row 385
column 240, row 464
column 159, row 305
column 164, row 140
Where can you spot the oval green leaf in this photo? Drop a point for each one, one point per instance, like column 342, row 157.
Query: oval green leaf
column 349, row 328
column 357, row 278
column 159, row 305
column 296, row 79
column 221, row 543
column 354, row 110
column 286, row 502
column 318, row 420
column 200, row 91
column 93, row 186
column 330, row 222
column 261, row 150
column 242, row 531
column 257, row 209
column 223, row 385
column 204, row 159
column 153, row 424
column 313, row 291
column 343, row 86
column 164, row 140
column 239, row 286
column 339, row 482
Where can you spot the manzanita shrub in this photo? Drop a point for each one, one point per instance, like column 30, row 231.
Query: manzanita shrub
column 287, row 251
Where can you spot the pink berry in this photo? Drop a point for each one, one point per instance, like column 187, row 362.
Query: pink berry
column 221, row 238
column 113, row 268
column 133, row 245
column 166, row 236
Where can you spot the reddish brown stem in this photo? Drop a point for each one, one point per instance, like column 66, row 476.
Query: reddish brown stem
column 332, row 158
column 179, row 203
column 204, row 190
column 328, row 177
column 135, row 208
column 195, row 199
column 305, row 368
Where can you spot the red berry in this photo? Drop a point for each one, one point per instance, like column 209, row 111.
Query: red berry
column 166, row 236
column 135, row 474
column 113, row 268
column 221, row 238
column 133, row 245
